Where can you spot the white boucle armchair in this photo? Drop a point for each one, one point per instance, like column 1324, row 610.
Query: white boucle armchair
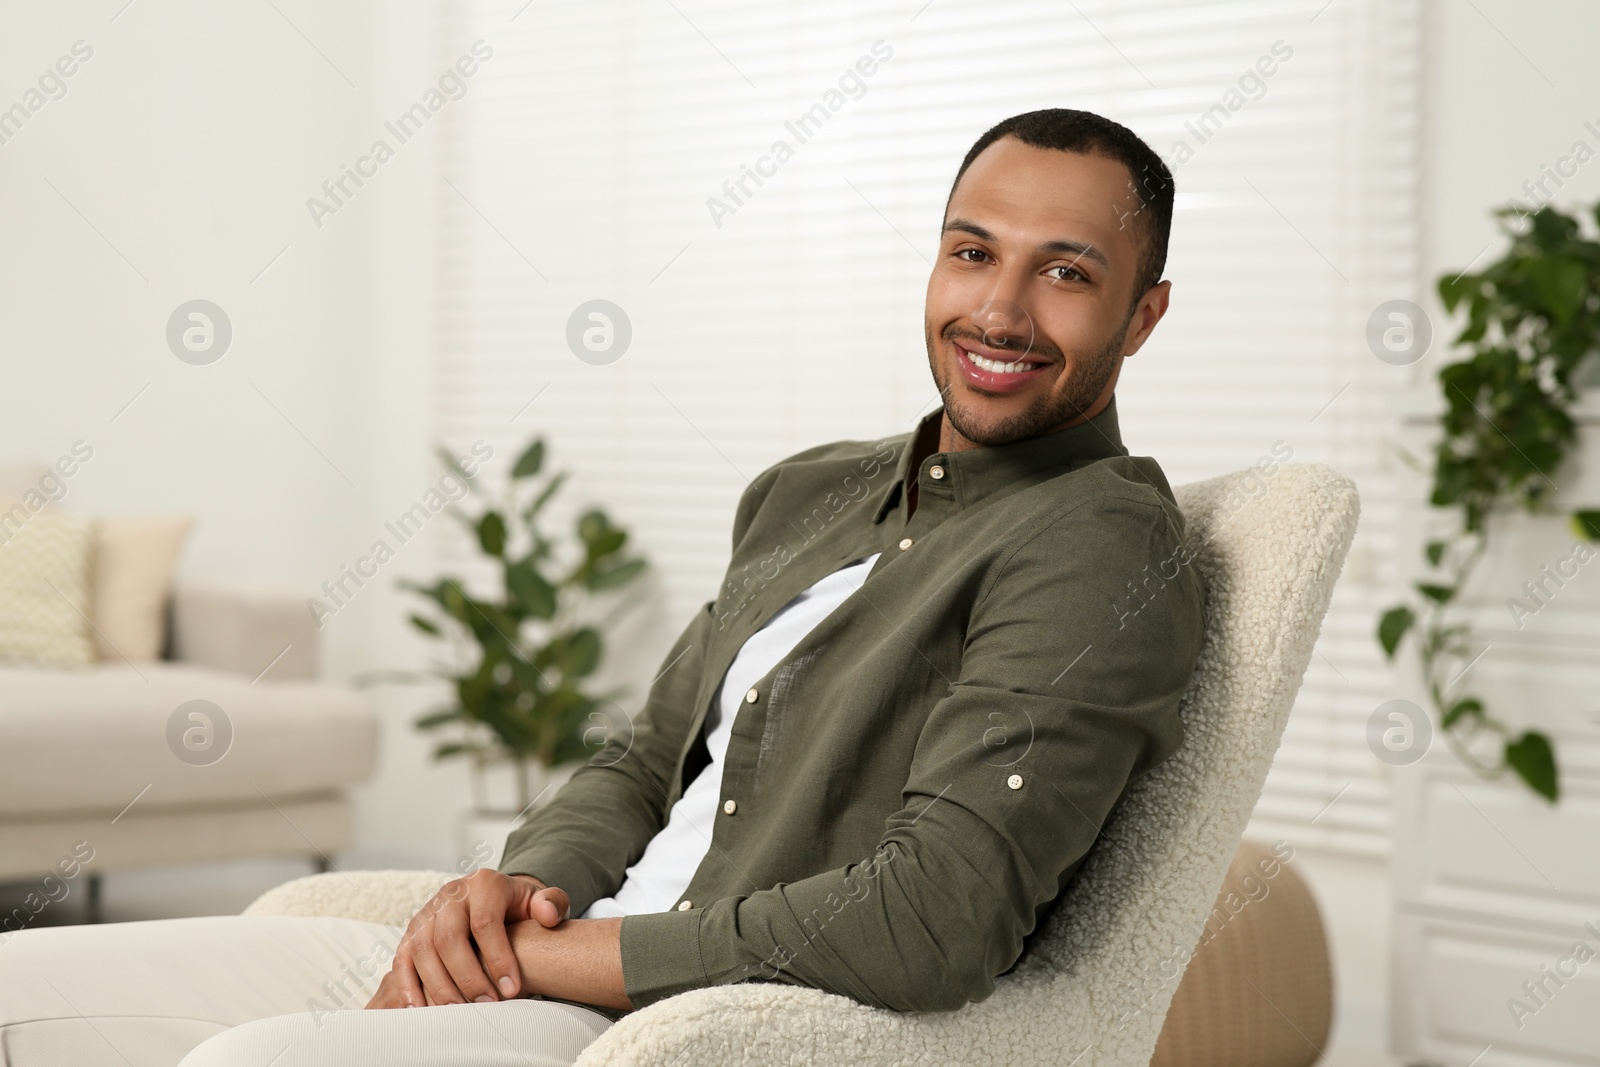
column 1097, row 979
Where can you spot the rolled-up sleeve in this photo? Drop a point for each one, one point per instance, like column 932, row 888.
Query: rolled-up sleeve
column 1075, row 658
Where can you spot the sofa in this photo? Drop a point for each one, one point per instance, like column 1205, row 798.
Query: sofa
column 225, row 747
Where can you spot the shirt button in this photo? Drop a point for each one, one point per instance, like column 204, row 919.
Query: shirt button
column 1015, row 781
column 905, row 543
column 684, row 905
column 751, row 696
column 729, row 807
column 936, row 472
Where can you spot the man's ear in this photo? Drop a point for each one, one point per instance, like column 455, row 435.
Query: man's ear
column 1146, row 313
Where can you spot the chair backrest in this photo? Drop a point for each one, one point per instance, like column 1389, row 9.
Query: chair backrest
column 1114, row 948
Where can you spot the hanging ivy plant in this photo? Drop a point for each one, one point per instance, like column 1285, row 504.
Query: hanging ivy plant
column 1532, row 318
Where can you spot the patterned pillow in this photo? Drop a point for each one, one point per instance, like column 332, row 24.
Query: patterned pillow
column 44, row 591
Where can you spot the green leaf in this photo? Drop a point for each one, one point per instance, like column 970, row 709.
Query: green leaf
column 582, row 653
column 532, row 591
column 530, row 461
column 608, row 542
column 1535, row 763
column 450, row 748
column 1561, row 283
column 1586, row 524
column 438, row 718
column 425, row 625
column 544, row 496
column 492, row 533
column 1392, row 627
column 1453, row 287
column 612, row 577
column 492, row 626
column 591, row 525
column 1435, row 551
column 1552, row 226
column 454, row 466
column 454, row 600
column 1469, row 706
column 446, row 593
column 1439, row 594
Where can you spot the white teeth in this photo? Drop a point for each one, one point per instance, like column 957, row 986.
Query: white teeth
column 995, row 367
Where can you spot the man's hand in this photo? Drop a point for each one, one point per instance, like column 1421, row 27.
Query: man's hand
column 456, row 949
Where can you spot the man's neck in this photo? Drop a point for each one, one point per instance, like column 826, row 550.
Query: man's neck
column 949, row 439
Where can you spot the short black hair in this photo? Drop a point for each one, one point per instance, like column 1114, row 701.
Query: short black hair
column 1086, row 133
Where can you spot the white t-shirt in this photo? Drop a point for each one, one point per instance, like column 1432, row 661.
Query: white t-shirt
column 663, row 873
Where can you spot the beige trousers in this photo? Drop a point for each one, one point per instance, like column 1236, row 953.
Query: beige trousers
column 250, row 991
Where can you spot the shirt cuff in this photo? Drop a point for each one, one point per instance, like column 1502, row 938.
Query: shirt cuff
column 661, row 955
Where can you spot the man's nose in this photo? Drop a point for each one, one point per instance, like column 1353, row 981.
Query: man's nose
column 1004, row 323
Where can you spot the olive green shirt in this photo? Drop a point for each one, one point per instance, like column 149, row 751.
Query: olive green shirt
column 913, row 785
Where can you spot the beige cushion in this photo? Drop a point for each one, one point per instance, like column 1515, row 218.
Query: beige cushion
column 92, row 740
column 244, row 627
column 133, row 565
column 44, row 591
column 1258, row 991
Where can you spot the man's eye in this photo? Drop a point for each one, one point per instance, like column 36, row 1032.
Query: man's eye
column 1067, row 274
column 971, row 255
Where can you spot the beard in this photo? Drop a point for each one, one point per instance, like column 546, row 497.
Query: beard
column 1049, row 411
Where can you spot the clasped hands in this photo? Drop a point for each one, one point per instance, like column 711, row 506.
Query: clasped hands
column 492, row 936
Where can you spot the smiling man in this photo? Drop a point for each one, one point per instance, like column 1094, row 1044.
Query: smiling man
column 870, row 766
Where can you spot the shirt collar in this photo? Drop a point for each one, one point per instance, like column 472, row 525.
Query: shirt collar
column 974, row 474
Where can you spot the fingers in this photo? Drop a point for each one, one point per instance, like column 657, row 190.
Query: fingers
column 437, row 985
column 453, row 931
column 549, row 907
column 488, row 928
column 422, row 977
column 408, row 982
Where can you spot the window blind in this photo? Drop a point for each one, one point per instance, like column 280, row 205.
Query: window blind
column 628, row 151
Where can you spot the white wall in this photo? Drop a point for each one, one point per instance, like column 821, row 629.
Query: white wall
column 190, row 141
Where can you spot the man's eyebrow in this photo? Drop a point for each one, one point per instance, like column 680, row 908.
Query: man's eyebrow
column 1062, row 247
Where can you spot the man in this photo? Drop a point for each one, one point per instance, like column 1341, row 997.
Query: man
column 874, row 761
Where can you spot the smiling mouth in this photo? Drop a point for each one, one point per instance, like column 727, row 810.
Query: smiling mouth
column 1021, row 365
column 994, row 366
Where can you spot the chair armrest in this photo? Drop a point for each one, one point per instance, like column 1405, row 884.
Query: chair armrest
column 391, row 897
column 244, row 629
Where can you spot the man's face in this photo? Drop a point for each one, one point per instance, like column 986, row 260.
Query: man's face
column 1027, row 317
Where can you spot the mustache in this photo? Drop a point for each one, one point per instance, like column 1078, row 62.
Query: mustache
column 1009, row 344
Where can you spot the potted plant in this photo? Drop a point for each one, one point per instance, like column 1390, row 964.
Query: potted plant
column 520, row 660
column 1533, row 318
